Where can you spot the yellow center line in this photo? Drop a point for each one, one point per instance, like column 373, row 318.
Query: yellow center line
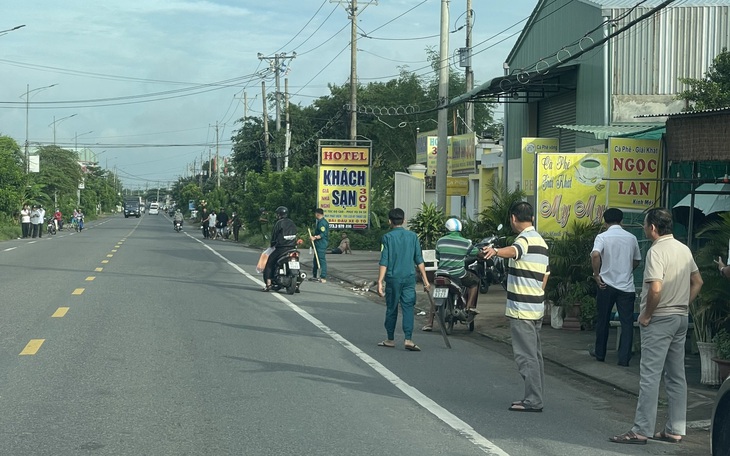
column 117, row 246
column 60, row 312
column 78, row 291
column 33, row 346
column 90, row 278
column 109, row 256
column 98, row 269
column 104, row 261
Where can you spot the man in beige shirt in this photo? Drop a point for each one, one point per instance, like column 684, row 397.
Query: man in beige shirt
column 671, row 281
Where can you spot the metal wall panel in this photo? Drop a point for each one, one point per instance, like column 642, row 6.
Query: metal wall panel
column 675, row 43
column 557, row 110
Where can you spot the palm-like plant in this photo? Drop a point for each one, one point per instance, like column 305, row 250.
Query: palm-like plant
column 498, row 213
column 710, row 313
column 428, row 224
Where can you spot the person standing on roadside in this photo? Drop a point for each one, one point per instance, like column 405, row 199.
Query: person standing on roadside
column 205, row 223
column 222, row 222
column 35, row 221
column 723, row 268
column 614, row 257
column 236, row 223
column 42, row 223
column 400, row 251
column 671, row 282
column 320, row 239
column 25, row 227
column 212, row 225
column 528, row 274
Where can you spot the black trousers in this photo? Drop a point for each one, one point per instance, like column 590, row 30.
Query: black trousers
column 624, row 301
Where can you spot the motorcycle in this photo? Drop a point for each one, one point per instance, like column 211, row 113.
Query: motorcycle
column 449, row 297
column 51, row 228
column 177, row 225
column 288, row 273
column 492, row 271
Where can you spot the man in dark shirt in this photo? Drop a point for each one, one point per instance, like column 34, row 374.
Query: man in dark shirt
column 400, row 251
column 283, row 239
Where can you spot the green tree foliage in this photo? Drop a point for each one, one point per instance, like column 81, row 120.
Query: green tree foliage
column 713, row 91
column 12, row 177
column 59, row 178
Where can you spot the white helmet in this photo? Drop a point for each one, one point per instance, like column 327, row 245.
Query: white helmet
column 453, row 224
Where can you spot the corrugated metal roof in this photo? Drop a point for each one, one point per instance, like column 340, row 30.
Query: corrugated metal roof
column 608, row 131
column 652, row 3
column 687, row 113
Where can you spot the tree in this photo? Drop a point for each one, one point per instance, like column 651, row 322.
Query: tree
column 713, row 91
column 12, row 178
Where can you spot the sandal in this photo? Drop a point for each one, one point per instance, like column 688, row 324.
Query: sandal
column 664, row 437
column 413, row 348
column 522, row 407
column 427, row 328
column 386, row 343
column 630, row 438
column 266, row 288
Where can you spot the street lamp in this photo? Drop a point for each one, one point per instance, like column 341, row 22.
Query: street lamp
column 27, row 106
column 54, row 125
column 76, row 140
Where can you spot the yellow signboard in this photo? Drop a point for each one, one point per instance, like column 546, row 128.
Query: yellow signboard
column 531, row 147
column 344, row 195
column 462, row 154
column 457, row 186
column 570, row 187
column 634, row 170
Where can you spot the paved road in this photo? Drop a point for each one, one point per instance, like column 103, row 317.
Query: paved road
column 129, row 338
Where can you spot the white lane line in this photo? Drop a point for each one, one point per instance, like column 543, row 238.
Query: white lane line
column 9, row 249
column 421, row 399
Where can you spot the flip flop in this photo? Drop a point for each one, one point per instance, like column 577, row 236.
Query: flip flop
column 630, row 438
column 664, row 437
column 427, row 328
column 413, row 348
column 521, row 407
column 386, row 344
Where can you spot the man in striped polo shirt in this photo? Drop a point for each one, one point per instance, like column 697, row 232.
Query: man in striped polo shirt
column 528, row 275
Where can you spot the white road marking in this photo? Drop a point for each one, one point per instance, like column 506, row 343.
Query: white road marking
column 421, row 399
column 9, row 249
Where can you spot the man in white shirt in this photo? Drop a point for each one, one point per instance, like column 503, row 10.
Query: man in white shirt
column 614, row 257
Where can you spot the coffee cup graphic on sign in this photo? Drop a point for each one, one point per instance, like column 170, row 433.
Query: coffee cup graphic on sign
column 589, row 171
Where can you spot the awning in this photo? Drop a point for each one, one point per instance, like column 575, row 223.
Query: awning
column 609, row 131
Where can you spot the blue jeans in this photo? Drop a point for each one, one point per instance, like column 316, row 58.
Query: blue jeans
column 401, row 291
column 605, row 299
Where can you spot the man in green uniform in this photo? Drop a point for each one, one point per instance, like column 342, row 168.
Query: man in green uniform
column 400, row 251
column 320, row 238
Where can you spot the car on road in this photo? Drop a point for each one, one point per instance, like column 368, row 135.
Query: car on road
column 131, row 210
column 154, row 209
column 720, row 431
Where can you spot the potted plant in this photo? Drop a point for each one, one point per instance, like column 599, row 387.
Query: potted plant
column 572, row 296
column 722, row 358
column 702, row 318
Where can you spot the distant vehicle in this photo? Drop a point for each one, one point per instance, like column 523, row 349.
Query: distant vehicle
column 720, row 433
column 154, row 209
column 132, row 206
column 194, row 214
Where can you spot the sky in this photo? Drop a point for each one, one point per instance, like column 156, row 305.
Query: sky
column 143, row 83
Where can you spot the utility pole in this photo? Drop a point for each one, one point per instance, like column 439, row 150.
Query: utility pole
column 277, row 62
column 217, row 157
column 469, row 73
column 266, row 120
column 443, row 113
column 287, row 145
column 245, row 106
column 351, row 9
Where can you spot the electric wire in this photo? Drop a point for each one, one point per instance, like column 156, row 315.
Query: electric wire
column 303, row 27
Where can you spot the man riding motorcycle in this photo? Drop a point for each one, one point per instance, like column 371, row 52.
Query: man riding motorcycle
column 283, row 239
column 451, row 253
column 177, row 218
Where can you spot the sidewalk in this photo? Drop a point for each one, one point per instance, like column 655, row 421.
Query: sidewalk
column 565, row 348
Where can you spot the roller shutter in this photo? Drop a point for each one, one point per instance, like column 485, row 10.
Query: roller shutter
column 557, row 110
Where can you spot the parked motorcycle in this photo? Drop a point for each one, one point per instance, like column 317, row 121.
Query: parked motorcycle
column 449, row 297
column 51, row 228
column 177, row 224
column 492, row 271
column 288, row 273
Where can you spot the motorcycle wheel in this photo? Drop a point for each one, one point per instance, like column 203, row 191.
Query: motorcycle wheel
column 471, row 325
column 446, row 312
column 483, row 285
column 291, row 288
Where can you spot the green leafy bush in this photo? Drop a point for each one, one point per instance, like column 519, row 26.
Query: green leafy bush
column 428, row 225
column 722, row 343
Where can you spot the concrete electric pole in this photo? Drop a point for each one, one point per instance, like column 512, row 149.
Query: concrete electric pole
column 278, row 64
column 443, row 119
column 469, row 115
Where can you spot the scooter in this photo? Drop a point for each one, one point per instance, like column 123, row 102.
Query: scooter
column 51, row 228
column 177, row 225
column 288, row 273
column 449, row 297
column 491, row 271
